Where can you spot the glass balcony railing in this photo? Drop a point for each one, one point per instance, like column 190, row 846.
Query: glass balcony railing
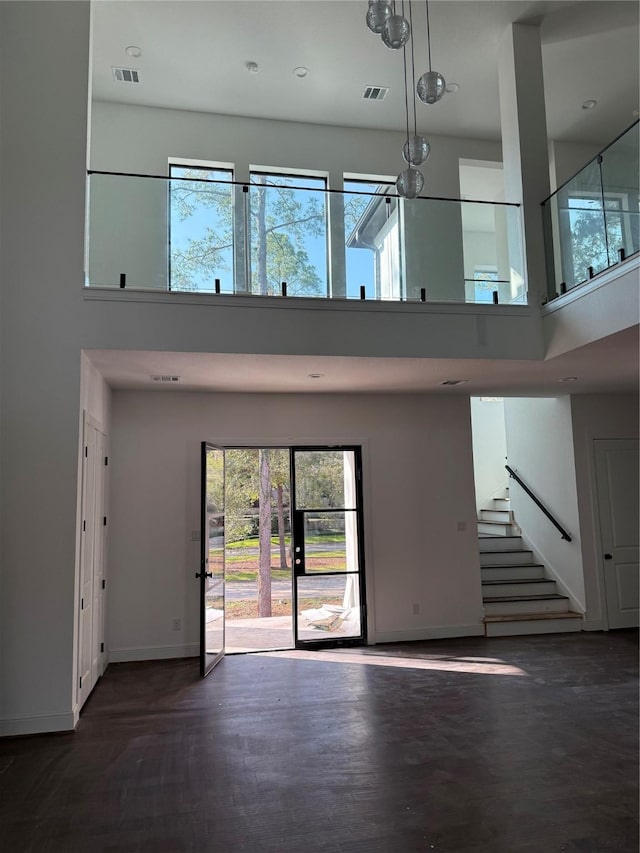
column 592, row 222
column 280, row 235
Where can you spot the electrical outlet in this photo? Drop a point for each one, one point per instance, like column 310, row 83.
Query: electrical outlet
column 416, row 609
column 176, row 624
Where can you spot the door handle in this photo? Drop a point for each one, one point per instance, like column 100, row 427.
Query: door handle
column 608, row 557
column 204, row 574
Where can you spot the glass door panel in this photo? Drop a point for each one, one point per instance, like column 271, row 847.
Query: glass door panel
column 212, row 562
column 327, row 546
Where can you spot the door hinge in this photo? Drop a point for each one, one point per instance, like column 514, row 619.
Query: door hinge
column 84, row 526
column 82, row 604
column 81, row 682
column 104, row 583
column 106, row 460
column 104, row 521
column 101, row 647
column 86, row 451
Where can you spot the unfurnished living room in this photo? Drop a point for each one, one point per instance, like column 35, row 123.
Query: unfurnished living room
column 319, row 372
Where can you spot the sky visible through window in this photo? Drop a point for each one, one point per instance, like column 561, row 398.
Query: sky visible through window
column 287, row 232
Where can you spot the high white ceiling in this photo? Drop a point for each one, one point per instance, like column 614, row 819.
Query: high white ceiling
column 195, row 54
column 606, row 366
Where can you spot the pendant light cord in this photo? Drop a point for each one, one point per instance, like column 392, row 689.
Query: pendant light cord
column 428, row 35
column 413, row 74
column 406, row 91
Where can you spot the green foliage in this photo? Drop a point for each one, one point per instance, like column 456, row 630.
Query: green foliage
column 319, row 479
column 281, row 220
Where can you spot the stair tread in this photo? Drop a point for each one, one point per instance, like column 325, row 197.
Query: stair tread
column 525, row 617
column 510, row 551
column 552, row 596
column 514, row 565
column 501, row 538
column 517, row 580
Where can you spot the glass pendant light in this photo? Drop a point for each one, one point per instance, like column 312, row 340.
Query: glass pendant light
column 396, row 32
column 431, row 86
column 416, row 150
column 378, row 12
column 410, row 183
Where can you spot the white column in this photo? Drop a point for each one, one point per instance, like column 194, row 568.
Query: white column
column 524, row 144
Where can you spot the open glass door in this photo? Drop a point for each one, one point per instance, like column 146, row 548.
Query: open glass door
column 327, row 546
column 211, row 572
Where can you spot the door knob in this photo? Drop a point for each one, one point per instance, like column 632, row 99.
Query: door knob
column 608, row 557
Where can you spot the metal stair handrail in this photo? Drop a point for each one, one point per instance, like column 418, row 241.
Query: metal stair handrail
column 563, row 532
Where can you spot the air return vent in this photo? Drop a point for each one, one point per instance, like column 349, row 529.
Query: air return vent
column 375, row 93
column 165, row 378
column 125, row 75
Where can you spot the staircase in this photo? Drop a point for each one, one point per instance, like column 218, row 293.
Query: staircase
column 518, row 597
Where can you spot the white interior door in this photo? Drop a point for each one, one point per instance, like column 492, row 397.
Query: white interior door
column 91, row 650
column 617, row 493
column 87, row 555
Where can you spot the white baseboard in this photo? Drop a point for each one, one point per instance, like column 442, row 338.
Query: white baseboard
column 41, row 724
column 438, row 633
column 189, row 650
column 592, row 625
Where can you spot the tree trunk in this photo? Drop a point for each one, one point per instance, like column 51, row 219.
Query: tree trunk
column 283, row 546
column 264, row 537
column 261, row 217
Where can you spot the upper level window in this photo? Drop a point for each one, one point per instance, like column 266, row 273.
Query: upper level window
column 201, row 228
column 371, row 240
column 288, row 234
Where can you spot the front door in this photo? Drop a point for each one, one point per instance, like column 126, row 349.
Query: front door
column 328, row 592
column 617, row 490
column 211, row 572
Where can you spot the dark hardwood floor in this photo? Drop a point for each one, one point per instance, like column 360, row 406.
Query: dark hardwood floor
column 490, row 746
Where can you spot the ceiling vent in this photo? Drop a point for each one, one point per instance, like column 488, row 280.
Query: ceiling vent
column 375, row 93
column 165, row 378
column 125, row 75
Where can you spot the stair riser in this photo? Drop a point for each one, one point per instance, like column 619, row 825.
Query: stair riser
column 511, row 573
column 503, row 515
column 543, row 587
column 511, row 543
column 505, row 558
column 531, row 626
column 495, row 528
column 498, row 608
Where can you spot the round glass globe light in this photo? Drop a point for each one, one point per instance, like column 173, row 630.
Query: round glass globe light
column 378, row 12
column 396, row 32
column 416, row 150
column 431, row 87
column 410, row 183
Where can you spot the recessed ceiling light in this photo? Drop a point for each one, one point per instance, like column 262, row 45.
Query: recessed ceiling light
column 315, row 375
column 252, row 67
column 454, row 382
column 134, row 50
column 301, row 71
column 590, row 104
column 569, row 379
column 452, row 88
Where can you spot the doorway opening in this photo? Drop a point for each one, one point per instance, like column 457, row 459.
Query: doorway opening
column 293, row 548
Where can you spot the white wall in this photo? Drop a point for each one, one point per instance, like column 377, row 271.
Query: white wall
column 489, row 450
column 540, row 449
column 606, row 416
column 418, row 484
column 43, row 126
column 608, row 304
